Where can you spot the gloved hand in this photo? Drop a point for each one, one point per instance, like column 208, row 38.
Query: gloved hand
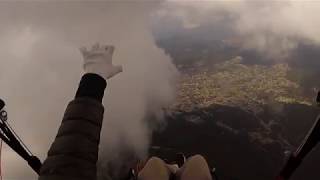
column 98, row 60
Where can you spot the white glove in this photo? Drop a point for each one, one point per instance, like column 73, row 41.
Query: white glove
column 98, row 60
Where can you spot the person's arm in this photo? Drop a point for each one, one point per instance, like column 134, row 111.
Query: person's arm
column 74, row 152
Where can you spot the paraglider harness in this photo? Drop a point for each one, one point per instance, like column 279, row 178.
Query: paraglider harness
column 8, row 135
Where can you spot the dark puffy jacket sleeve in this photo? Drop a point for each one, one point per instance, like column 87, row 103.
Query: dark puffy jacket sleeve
column 74, row 152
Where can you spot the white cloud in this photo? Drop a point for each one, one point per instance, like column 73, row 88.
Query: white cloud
column 271, row 27
column 41, row 67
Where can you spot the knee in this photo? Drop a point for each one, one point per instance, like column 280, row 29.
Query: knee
column 155, row 161
column 195, row 168
column 155, row 169
column 198, row 159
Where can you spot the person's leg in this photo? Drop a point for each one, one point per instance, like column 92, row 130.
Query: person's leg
column 155, row 169
column 196, row 168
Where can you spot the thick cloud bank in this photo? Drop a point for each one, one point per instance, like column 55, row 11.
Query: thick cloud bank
column 41, row 66
column 274, row 28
